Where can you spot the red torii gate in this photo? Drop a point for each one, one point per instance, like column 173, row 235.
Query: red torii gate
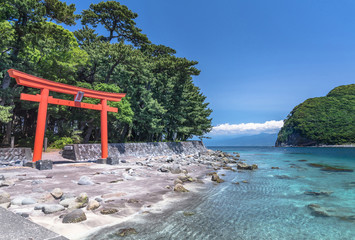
column 78, row 92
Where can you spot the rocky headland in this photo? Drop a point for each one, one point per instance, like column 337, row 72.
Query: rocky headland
column 322, row 121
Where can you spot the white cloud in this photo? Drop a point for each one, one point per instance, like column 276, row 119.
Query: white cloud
column 247, row 128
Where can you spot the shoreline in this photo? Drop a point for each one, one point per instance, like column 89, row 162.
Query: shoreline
column 136, row 189
column 164, row 209
column 291, row 146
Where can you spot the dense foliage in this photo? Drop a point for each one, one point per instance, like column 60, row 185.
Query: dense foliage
column 162, row 102
column 323, row 120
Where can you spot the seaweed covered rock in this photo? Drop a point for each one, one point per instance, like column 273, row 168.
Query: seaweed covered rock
column 180, row 188
column 126, row 232
column 75, row 216
column 216, row 178
column 245, row 166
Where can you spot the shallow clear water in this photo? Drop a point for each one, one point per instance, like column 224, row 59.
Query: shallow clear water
column 272, row 205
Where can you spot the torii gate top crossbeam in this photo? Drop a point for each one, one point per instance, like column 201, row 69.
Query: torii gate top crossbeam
column 36, row 82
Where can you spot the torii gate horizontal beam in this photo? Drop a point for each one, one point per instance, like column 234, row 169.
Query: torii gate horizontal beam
column 52, row 100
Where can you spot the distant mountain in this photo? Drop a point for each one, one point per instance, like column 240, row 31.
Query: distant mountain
column 263, row 139
column 328, row 120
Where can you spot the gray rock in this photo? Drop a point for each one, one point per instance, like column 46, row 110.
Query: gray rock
column 75, row 216
column 98, row 199
column 28, row 201
column 39, row 206
column 175, row 169
column 52, row 208
column 4, row 197
column 44, row 165
column 85, row 180
column 163, row 169
column 2, row 177
column 57, row 193
column 93, row 204
column 68, row 202
column 123, row 161
column 67, row 195
column 17, row 201
column 112, row 161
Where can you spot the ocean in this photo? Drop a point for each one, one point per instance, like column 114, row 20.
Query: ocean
column 272, row 204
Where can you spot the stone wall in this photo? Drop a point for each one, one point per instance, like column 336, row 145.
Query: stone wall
column 15, row 156
column 87, row 152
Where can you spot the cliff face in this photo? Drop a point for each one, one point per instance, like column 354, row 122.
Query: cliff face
column 328, row 120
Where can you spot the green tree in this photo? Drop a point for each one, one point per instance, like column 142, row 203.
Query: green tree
column 117, row 19
column 21, row 21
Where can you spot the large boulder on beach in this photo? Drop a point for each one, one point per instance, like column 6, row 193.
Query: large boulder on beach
column 52, row 208
column 17, row 201
column 75, row 216
column 180, row 188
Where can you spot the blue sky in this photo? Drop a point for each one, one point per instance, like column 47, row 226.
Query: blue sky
column 258, row 59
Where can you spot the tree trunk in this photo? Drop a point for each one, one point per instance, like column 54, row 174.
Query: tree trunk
column 5, row 85
column 7, row 138
column 88, row 134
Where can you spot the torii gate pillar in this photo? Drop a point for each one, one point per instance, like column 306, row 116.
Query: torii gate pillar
column 104, row 137
column 41, row 125
column 78, row 92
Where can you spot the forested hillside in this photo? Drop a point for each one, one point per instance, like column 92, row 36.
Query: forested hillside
column 324, row 120
column 162, row 102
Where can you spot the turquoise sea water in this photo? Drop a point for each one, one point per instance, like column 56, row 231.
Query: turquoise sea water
column 273, row 204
